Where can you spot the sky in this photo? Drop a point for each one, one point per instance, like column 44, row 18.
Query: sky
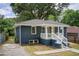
column 6, row 10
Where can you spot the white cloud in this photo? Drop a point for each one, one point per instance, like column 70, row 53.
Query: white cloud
column 74, row 6
column 7, row 12
column 10, row 17
column 3, row 12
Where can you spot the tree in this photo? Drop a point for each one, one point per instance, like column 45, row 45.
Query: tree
column 51, row 17
column 6, row 25
column 71, row 17
column 1, row 16
column 26, row 11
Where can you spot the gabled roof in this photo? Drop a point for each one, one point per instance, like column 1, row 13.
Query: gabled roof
column 40, row 22
column 73, row 29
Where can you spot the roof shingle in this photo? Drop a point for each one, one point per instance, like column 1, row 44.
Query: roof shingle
column 40, row 22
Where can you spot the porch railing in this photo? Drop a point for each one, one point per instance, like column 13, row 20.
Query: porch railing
column 60, row 38
column 43, row 35
column 49, row 36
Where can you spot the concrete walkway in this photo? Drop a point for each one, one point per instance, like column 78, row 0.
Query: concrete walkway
column 56, row 51
column 13, row 50
column 50, row 51
column 74, row 50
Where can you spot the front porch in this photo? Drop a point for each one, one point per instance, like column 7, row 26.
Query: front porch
column 54, row 36
column 47, row 32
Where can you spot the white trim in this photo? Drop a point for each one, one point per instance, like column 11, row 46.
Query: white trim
column 15, row 34
column 41, row 25
column 52, row 31
column 62, row 28
column 20, row 35
column 63, row 31
column 35, row 30
column 58, row 30
column 46, row 32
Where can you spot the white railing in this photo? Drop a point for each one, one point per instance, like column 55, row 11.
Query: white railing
column 64, row 39
column 61, row 39
column 43, row 35
column 50, row 36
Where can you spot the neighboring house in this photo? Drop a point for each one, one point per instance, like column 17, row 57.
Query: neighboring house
column 45, row 32
column 2, row 38
column 73, row 34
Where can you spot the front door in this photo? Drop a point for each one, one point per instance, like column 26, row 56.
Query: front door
column 61, row 31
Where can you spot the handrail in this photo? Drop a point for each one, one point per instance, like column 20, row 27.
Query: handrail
column 62, row 39
column 57, row 36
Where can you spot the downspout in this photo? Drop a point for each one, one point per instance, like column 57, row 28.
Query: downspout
column 20, row 34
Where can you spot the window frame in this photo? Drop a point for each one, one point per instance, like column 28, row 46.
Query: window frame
column 42, row 29
column 34, row 30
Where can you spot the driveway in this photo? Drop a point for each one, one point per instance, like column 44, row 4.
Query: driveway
column 13, row 50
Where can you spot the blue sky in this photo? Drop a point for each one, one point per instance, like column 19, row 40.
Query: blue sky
column 74, row 6
column 5, row 9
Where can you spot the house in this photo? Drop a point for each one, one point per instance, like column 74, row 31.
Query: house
column 2, row 38
column 73, row 34
column 45, row 32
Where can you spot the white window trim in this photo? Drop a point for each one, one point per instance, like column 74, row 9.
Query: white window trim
column 35, row 30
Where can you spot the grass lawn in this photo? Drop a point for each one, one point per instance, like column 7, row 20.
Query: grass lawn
column 74, row 45
column 0, row 46
column 66, row 53
column 37, row 47
column 10, row 40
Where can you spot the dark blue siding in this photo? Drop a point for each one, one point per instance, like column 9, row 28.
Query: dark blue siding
column 65, row 32
column 50, row 42
column 45, row 42
column 54, row 44
column 26, row 34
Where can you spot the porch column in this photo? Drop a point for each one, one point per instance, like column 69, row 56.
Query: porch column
column 20, row 35
column 52, row 33
column 58, row 30
column 63, row 31
column 46, row 32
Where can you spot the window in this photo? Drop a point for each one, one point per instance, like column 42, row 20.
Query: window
column 43, row 29
column 33, row 30
column 49, row 29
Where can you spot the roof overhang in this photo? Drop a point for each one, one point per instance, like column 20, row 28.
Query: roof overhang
column 56, row 25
